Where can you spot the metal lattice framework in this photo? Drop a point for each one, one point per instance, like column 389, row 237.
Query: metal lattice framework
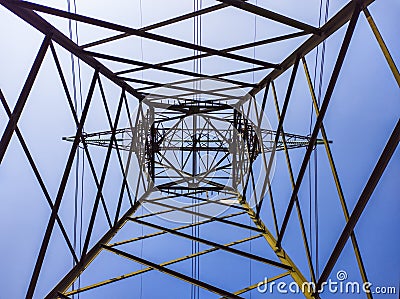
column 192, row 148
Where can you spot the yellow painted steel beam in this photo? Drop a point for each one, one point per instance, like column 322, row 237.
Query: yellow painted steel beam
column 289, row 166
column 336, row 177
column 261, row 283
column 382, row 45
column 79, row 268
column 144, row 270
column 296, row 274
column 170, row 210
column 161, row 232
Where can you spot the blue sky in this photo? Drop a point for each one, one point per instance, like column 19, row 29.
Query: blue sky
column 363, row 111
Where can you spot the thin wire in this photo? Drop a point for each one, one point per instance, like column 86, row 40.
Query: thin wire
column 250, row 231
column 141, row 39
column 81, row 149
column 142, row 229
column 321, row 73
column 76, row 187
column 197, row 67
column 198, row 207
column 254, row 40
column 76, row 191
column 192, row 287
column 310, row 129
column 141, row 256
column 315, row 170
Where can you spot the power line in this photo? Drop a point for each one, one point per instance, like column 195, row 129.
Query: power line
column 142, row 229
column 315, row 169
column 79, row 175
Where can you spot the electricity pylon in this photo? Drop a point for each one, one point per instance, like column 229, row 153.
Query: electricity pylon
column 196, row 157
column 197, row 152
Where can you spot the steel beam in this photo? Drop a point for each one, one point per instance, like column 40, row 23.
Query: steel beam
column 176, row 274
column 383, row 46
column 45, row 27
column 103, row 176
column 171, row 262
column 124, row 171
column 369, row 188
column 165, row 69
column 283, row 256
column 279, row 128
column 136, row 32
column 230, row 49
column 271, row 15
column 63, row 296
column 38, row 177
column 330, row 27
column 207, row 216
column 336, row 178
column 60, row 192
column 318, row 122
column 23, row 97
column 214, row 244
column 261, row 283
column 159, row 25
column 162, row 232
column 76, row 120
column 74, row 273
column 298, row 207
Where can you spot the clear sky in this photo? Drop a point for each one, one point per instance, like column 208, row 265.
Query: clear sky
column 362, row 114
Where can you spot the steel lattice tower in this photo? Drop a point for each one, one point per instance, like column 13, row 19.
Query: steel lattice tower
column 193, row 153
